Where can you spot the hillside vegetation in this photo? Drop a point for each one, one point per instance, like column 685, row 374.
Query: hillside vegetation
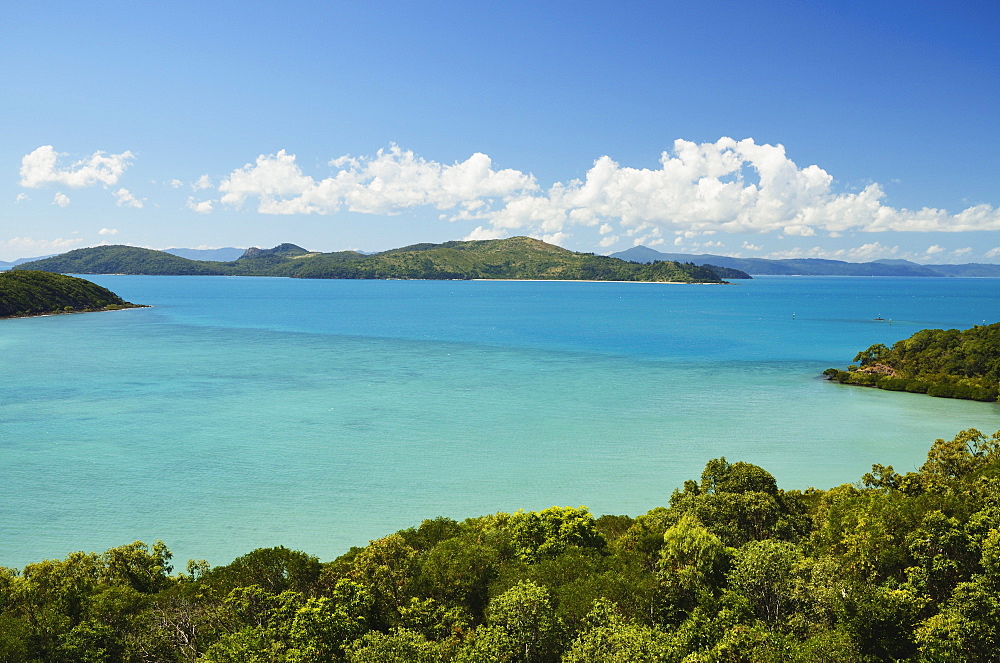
column 940, row 362
column 514, row 258
column 24, row 293
column 735, row 569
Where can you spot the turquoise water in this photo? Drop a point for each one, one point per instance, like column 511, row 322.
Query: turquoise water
column 246, row 412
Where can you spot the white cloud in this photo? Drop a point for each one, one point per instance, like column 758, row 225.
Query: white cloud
column 123, row 198
column 202, row 183
column 931, row 250
column 41, row 167
column 176, row 183
column 107, row 231
column 962, row 251
column 20, row 197
column 27, row 247
column 60, row 199
column 554, row 238
column 864, row 253
column 202, row 207
column 992, row 253
column 390, row 182
column 484, row 233
column 752, row 247
column 729, row 186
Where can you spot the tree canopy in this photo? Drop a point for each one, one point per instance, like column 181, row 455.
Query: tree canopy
column 940, row 362
column 514, row 258
column 897, row 567
column 38, row 293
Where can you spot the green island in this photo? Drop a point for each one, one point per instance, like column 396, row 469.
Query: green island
column 947, row 363
column 31, row 293
column 897, row 567
column 518, row 258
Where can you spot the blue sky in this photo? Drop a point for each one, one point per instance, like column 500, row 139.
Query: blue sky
column 848, row 130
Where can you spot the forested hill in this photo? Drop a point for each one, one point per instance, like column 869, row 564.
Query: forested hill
column 940, row 362
column 897, row 567
column 514, row 258
column 24, row 293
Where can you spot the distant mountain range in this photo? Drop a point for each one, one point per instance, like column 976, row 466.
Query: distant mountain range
column 813, row 266
column 5, row 265
column 521, row 258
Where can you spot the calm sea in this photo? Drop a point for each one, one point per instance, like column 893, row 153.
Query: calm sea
column 247, row 412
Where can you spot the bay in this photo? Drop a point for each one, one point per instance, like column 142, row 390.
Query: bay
column 238, row 413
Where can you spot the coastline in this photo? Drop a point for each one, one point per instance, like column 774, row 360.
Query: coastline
column 597, row 281
column 105, row 309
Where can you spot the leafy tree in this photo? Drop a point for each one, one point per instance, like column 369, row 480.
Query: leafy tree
column 607, row 637
column 398, row 646
column 765, row 573
column 522, row 626
column 273, row 569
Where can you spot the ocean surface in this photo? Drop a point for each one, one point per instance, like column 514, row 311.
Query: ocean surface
column 238, row 413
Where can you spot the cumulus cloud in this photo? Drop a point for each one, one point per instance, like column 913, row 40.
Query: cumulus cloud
column 864, row 253
column 60, row 199
column 27, row 247
column 124, row 198
column 20, row 197
column 42, row 167
column 202, row 207
column 931, row 250
column 107, row 231
column 729, row 186
column 202, row 183
column 993, row 253
column 175, row 183
column 390, row 182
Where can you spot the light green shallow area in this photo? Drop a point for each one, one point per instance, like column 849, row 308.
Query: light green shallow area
column 219, row 439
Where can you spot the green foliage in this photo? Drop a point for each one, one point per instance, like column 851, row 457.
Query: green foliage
column 35, row 293
column 894, row 568
column 397, row 646
column 514, row 258
column 946, row 363
column 119, row 259
column 273, row 569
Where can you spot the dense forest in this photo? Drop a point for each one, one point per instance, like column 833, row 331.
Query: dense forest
column 39, row 293
column 898, row 567
column 940, row 362
column 514, row 258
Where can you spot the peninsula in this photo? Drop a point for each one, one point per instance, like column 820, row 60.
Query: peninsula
column 30, row 293
column 516, row 258
column 947, row 363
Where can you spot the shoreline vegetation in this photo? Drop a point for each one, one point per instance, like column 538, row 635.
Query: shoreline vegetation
column 26, row 294
column 895, row 567
column 516, row 258
column 946, row 363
